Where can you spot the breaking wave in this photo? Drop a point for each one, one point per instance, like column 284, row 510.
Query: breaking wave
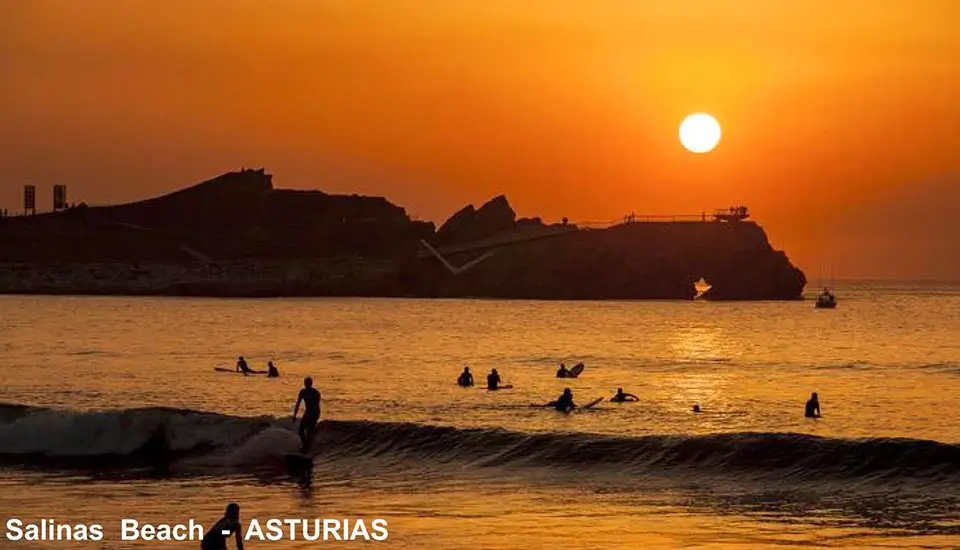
column 30, row 435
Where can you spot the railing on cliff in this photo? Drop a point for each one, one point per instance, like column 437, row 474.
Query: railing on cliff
column 646, row 218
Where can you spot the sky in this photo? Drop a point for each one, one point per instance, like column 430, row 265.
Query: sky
column 840, row 118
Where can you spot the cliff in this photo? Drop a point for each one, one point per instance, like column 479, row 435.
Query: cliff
column 236, row 235
column 236, row 216
column 644, row 260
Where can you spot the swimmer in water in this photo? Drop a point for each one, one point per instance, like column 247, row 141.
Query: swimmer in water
column 493, row 380
column 813, row 406
column 621, row 397
column 564, row 403
column 466, row 378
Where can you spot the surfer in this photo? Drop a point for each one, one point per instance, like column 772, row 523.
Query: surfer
column 813, row 406
column 493, row 380
column 696, row 408
column 564, row 403
column 311, row 412
column 623, row 397
column 242, row 365
column 272, row 371
column 466, row 378
column 229, row 524
column 562, row 371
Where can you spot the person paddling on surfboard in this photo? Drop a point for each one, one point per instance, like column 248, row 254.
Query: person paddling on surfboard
column 229, row 524
column 493, row 380
column 311, row 412
column 272, row 371
column 621, row 397
column 466, row 378
column 242, row 365
column 813, row 406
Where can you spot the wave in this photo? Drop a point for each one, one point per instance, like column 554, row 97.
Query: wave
column 193, row 439
column 950, row 368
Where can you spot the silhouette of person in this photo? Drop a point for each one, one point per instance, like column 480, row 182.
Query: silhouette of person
column 466, row 378
column 813, row 406
column 562, row 372
column 621, row 397
column 311, row 412
column 565, row 402
column 272, row 371
column 229, row 524
column 696, row 408
column 493, row 380
column 242, row 365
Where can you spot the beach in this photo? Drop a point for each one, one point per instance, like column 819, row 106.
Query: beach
column 87, row 380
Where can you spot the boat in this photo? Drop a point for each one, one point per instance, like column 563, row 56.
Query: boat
column 826, row 300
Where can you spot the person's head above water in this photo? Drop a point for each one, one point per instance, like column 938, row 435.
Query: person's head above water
column 233, row 510
column 619, row 390
column 813, row 395
column 466, row 369
column 494, row 371
column 240, row 358
column 567, row 391
column 269, row 363
column 308, row 382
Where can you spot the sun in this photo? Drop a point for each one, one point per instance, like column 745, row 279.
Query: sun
column 699, row 133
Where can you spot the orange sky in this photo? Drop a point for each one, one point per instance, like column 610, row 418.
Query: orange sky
column 840, row 118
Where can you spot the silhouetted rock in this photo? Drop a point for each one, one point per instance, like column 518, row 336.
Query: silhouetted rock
column 654, row 260
column 470, row 224
column 232, row 217
column 236, row 235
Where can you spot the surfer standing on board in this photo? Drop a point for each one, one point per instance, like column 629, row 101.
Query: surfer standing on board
column 216, row 537
column 311, row 412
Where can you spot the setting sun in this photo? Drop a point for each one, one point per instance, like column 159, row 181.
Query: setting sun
column 699, row 133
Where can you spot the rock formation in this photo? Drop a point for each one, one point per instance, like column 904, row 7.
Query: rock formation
column 470, row 224
column 236, row 235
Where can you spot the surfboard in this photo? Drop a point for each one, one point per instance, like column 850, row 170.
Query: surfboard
column 575, row 371
column 590, row 404
column 507, row 387
column 224, row 369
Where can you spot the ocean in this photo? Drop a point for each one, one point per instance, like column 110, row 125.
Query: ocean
column 87, row 381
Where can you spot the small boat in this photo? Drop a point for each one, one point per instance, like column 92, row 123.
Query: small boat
column 826, row 300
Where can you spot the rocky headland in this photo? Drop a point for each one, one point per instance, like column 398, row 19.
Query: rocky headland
column 236, row 235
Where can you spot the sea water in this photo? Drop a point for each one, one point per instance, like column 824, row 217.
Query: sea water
column 87, row 381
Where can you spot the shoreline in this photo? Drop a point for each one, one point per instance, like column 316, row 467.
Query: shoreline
column 322, row 278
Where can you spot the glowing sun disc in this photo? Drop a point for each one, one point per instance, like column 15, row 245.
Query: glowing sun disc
column 699, row 133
